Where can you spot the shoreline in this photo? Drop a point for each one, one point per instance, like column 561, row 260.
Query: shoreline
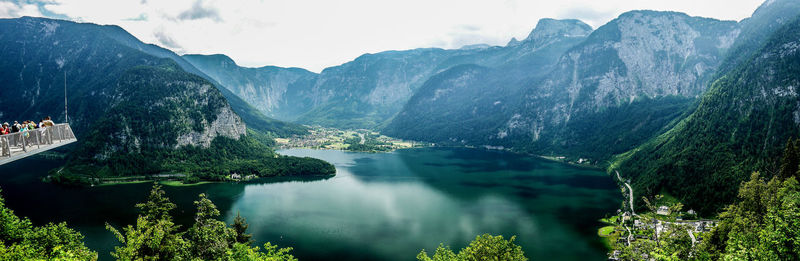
column 179, row 183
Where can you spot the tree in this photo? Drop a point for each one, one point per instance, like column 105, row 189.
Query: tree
column 155, row 236
column 484, row 247
column 791, row 160
column 763, row 225
column 240, row 226
column 157, row 206
column 651, row 205
column 676, row 244
column 20, row 240
column 211, row 239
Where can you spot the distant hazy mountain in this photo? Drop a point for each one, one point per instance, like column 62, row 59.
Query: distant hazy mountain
column 740, row 125
column 768, row 18
column 369, row 91
column 595, row 97
column 281, row 93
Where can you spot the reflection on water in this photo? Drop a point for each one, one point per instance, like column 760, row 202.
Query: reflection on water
column 378, row 206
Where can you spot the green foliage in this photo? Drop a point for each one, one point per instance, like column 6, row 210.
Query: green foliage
column 20, row 240
column 790, row 164
column 211, row 238
column 150, row 240
column 763, row 225
column 370, row 144
column 240, row 227
column 484, row 247
column 155, row 237
column 157, row 206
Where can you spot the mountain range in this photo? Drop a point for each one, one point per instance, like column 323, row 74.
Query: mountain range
column 605, row 95
column 678, row 104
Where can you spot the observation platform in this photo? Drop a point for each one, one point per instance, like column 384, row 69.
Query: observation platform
column 18, row 145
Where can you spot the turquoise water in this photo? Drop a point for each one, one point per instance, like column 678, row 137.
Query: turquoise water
column 378, row 207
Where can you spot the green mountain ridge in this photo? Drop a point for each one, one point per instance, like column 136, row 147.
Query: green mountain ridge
column 133, row 112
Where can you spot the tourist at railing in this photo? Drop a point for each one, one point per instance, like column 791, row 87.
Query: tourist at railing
column 47, row 122
column 16, row 127
column 26, row 126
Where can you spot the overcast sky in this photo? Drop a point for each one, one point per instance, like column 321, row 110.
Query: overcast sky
column 315, row 34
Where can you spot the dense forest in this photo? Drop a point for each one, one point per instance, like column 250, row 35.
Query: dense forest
column 762, row 224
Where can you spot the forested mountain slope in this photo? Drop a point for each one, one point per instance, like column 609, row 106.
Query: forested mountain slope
column 740, row 126
column 133, row 112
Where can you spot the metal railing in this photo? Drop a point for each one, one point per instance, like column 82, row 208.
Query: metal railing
column 35, row 140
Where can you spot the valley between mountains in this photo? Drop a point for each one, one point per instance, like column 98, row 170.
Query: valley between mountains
column 682, row 135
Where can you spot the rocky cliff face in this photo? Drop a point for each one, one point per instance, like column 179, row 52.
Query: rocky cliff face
column 225, row 124
column 469, row 102
column 641, row 54
column 646, row 64
column 548, row 31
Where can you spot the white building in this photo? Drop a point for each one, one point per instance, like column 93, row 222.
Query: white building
column 663, row 210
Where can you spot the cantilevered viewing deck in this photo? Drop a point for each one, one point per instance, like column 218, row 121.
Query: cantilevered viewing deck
column 19, row 145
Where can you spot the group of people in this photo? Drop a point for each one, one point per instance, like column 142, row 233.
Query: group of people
column 25, row 126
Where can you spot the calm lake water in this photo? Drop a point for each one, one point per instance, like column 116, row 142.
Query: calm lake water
column 378, row 206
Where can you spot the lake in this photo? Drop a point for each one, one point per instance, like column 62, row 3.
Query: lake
column 385, row 206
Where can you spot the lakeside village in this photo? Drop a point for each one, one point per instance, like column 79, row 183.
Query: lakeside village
column 351, row 140
column 634, row 233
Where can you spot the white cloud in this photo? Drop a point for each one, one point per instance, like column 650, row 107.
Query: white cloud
column 314, row 34
column 13, row 10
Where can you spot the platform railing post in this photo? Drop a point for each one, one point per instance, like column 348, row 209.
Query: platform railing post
column 6, row 146
column 24, row 142
column 38, row 139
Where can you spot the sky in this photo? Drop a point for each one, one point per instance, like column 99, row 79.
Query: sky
column 315, row 34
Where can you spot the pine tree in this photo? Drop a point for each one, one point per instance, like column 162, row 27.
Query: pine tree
column 154, row 236
column 791, row 161
column 240, row 226
column 157, row 206
column 210, row 238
